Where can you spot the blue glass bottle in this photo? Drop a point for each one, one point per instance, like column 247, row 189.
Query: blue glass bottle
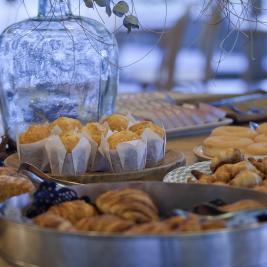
column 56, row 64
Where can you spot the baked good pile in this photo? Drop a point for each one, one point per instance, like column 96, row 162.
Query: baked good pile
column 231, row 167
column 248, row 141
column 117, row 143
column 128, row 211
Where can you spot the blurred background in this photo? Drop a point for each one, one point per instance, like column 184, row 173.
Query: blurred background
column 203, row 50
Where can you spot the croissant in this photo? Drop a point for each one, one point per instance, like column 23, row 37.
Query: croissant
column 245, row 204
column 104, row 224
column 227, row 172
column 181, row 224
column 13, row 186
column 260, row 164
column 246, row 179
column 52, row 221
column 73, row 210
column 129, row 204
column 231, row 155
column 202, row 177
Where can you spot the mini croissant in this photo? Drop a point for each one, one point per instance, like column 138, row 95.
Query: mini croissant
column 73, row 210
column 129, row 204
column 246, row 178
column 103, row 224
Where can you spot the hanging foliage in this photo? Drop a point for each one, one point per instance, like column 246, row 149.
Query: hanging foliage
column 120, row 9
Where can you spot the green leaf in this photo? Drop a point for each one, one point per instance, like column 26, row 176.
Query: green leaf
column 89, row 3
column 131, row 22
column 120, row 9
column 101, row 3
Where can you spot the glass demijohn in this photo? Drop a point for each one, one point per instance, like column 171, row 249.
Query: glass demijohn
column 56, row 64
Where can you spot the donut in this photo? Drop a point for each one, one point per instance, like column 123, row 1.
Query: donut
column 261, row 138
column 256, row 149
column 262, row 129
column 214, row 145
column 233, row 131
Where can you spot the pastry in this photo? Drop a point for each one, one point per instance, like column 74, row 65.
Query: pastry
column 103, row 224
column 121, row 137
column 52, row 221
column 139, row 128
column 260, row 164
column 70, row 140
column 181, row 224
column 202, row 177
column 261, row 138
column 256, row 149
column 95, row 130
column 246, row 178
column 245, row 204
column 73, row 210
column 34, row 134
column 66, row 124
column 129, row 204
column 234, row 131
column 117, row 122
column 214, row 145
column 230, row 155
column 262, row 129
column 227, row 172
column 11, row 186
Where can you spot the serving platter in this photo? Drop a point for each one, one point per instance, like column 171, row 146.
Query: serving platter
column 172, row 160
column 182, row 174
column 196, row 129
column 242, row 247
column 199, row 153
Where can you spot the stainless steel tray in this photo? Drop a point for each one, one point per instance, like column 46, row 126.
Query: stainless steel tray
column 27, row 245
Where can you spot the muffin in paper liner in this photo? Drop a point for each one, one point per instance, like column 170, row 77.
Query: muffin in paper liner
column 34, row 153
column 128, row 156
column 97, row 161
column 156, row 147
column 68, row 164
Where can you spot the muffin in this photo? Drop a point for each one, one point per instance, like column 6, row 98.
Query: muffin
column 68, row 153
column 34, row 134
column 70, row 140
column 124, row 155
column 31, row 146
column 117, row 122
column 156, row 141
column 120, row 137
column 139, row 128
column 66, row 124
column 95, row 130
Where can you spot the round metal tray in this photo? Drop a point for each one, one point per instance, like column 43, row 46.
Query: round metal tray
column 27, row 245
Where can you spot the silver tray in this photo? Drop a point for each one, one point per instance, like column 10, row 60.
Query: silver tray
column 26, row 245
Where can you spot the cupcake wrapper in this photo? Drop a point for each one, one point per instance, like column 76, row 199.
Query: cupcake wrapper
column 100, row 163
column 34, row 154
column 155, row 148
column 129, row 156
column 68, row 164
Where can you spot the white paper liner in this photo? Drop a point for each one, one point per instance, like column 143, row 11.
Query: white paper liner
column 128, row 156
column 34, row 154
column 68, row 164
column 155, row 147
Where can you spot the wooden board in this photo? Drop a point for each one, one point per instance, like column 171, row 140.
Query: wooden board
column 172, row 160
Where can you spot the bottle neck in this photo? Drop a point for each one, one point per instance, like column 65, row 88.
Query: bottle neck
column 54, row 8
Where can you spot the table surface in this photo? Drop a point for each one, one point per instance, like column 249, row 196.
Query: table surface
column 182, row 144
